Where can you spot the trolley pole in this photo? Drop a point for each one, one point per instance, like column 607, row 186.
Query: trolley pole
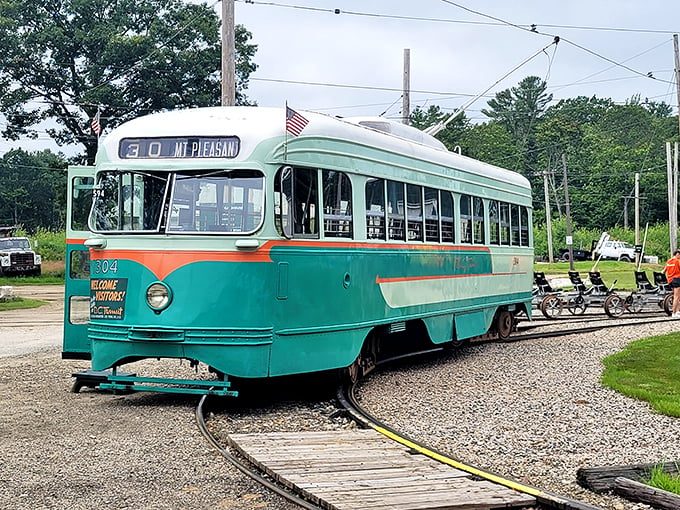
column 570, row 241
column 228, row 51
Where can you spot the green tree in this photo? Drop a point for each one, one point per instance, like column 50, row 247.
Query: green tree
column 32, row 189
column 64, row 59
column 489, row 142
column 520, row 109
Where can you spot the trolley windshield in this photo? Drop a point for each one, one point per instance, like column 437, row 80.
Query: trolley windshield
column 184, row 202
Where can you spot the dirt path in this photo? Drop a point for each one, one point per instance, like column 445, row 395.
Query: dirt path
column 34, row 329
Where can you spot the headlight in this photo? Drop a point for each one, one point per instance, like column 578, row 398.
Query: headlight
column 158, row 296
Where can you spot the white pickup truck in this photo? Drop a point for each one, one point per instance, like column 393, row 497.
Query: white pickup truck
column 611, row 249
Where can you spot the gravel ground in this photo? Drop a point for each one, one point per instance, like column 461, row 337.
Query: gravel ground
column 531, row 410
column 96, row 450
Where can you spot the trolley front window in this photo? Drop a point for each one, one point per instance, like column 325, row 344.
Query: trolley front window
column 215, row 201
column 222, row 201
column 128, row 201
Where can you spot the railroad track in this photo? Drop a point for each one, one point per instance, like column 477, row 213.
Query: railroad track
column 345, row 395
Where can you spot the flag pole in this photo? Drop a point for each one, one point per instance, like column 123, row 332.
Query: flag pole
column 285, row 141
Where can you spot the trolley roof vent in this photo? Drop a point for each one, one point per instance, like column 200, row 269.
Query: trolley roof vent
column 398, row 129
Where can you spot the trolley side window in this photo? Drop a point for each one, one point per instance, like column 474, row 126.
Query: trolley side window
column 447, row 217
column 478, row 220
column 432, row 229
column 223, row 201
column 81, row 202
column 524, row 226
column 375, row 209
column 514, row 225
column 466, row 219
column 296, row 203
column 414, row 212
column 337, row 204
column 494, row 223
column 395, row 211
column 505, row 224
column 128, row 202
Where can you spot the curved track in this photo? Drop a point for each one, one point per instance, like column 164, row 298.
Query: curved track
column 243, row 467
column 347, row 399
column 345, row 396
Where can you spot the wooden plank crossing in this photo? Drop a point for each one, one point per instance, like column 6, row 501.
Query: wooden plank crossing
column 362, row 469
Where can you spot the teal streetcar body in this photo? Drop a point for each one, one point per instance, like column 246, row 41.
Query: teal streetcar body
column 218, row 236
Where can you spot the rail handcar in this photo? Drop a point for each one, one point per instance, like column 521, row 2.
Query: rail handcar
column 264, row 242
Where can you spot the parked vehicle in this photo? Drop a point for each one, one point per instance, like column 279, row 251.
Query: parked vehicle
column 577, row 254
column 17, row 256
column 611, row 249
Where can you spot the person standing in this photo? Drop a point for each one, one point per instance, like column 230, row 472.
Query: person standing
column 672, row 271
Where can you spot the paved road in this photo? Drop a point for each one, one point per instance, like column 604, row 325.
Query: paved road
column 35, row 329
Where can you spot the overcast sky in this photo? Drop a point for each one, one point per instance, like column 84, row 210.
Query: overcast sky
column 456, row 54
column 352, row 63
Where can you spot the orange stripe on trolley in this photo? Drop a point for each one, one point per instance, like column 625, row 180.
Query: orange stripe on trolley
column 440, row 277
column 163, row 262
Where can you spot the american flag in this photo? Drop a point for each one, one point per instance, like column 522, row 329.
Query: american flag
column 295, row 122
column 96, row 126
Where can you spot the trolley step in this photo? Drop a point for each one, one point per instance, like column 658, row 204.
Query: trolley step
column 129, row 382
column 93, row 378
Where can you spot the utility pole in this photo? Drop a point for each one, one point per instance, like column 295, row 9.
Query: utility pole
column 672, row 179
column 637, row 214
column 677, row 73
column 570, row 241
column 228, row 51
column 625, row 210
column 406, row 95
column 548, row 221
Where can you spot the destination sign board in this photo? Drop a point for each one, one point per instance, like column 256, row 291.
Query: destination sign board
column 181, row 147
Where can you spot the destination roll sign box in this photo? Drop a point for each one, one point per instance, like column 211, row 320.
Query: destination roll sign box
column 182, row 147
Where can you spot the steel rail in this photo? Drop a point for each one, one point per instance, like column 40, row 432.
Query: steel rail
column 346, row 397
column 238, row 464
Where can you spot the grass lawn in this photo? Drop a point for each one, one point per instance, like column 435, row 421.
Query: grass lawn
column 52, row 274
column 648, row 369
column 20, row 303
column 665, row 481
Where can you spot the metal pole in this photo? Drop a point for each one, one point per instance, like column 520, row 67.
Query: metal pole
column 637, row 212
column 677, row 72
column 548, row 221
column 674, row 211
column 228, row 51
column 406, row 95
column 669, row 180
column 570, row 242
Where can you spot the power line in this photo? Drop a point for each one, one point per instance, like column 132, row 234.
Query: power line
column 456, row 21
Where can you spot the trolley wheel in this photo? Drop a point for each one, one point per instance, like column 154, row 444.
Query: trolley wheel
column 614, row 305
column 504, row 324
column 634, row 303
column 668, row 304
column 577, row 305
column 551, row 306
column 352, row 373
